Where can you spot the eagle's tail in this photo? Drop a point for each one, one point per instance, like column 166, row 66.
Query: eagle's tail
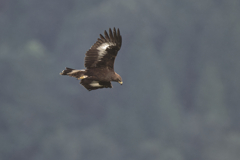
column 79, row 74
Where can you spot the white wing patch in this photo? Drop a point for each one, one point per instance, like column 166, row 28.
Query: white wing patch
column 103, row 46
column 95, row 84
column 102, row 49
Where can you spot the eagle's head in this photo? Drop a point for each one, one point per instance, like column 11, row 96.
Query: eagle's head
column 118, row 78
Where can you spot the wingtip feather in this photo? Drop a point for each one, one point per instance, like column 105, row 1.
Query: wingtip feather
column 106, row 35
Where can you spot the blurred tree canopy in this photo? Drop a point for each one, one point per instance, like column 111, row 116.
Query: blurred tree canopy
column 180, row 66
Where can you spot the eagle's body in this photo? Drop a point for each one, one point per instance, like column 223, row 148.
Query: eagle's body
column 99, row 63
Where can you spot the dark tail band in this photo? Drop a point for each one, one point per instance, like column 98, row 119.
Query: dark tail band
column 66, row 71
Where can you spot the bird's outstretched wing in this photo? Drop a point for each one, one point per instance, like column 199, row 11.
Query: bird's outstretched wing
column 103, row 53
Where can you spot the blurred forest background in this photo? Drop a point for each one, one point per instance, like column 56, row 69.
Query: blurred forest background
column 180, row 64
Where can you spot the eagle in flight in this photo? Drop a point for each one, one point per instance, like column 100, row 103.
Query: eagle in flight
column 99, row 63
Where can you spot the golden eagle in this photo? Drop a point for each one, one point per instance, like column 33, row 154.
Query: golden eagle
column 99, row 63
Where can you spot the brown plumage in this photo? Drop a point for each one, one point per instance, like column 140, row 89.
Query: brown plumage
column 99, row 63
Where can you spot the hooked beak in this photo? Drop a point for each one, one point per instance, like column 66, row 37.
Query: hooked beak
column 120, row 82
